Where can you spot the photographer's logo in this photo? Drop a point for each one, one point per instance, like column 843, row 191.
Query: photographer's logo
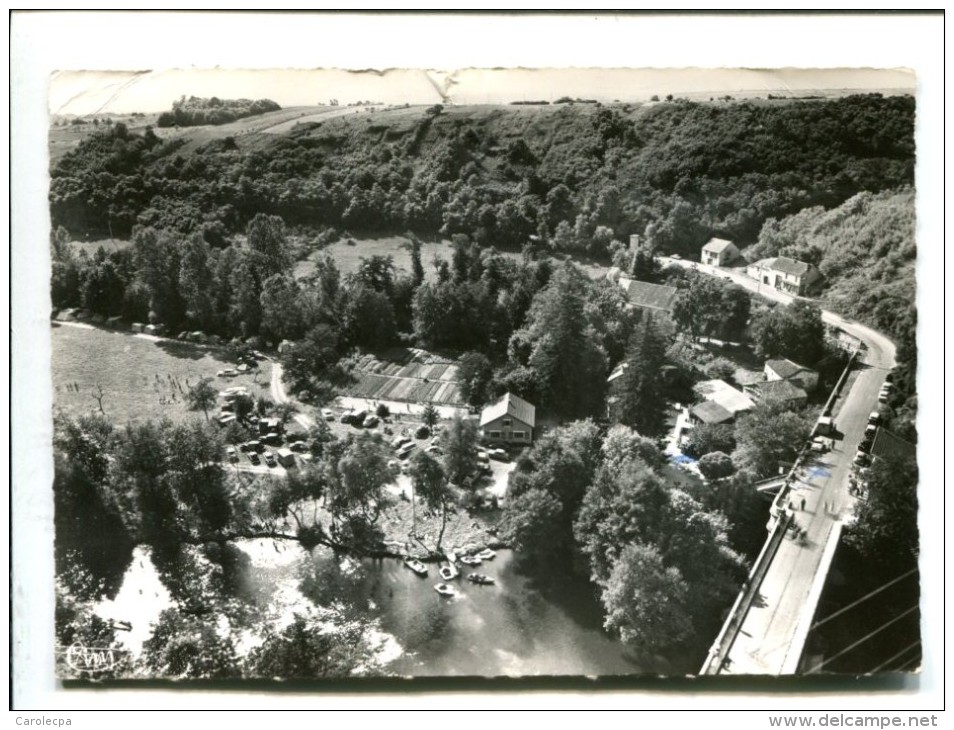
column 94, row 658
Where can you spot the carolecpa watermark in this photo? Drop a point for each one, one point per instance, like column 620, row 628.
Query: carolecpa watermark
column 94, row 658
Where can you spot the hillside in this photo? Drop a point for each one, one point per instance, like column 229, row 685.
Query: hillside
column 675, row 172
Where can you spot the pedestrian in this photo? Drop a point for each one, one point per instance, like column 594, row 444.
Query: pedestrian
column 803, row 504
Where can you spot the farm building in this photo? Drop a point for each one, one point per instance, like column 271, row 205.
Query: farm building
column 784, row 369
column 649, row 297
column 785, row 274
column 511, row 419
column 719, row 252
column 782, row 390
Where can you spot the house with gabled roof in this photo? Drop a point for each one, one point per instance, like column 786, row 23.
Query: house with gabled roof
column 656, row 298
column 785, row 274
column 719, row 252
column 511, row 420
column 785, row 369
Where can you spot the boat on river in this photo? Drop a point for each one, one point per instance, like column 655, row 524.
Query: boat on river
column 451, row 556
column 449, row 572
column 415, row 565
column 445, row 590
column 470, row 560
column 486, row 554
column 480, row 579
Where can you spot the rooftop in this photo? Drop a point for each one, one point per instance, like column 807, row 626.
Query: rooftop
column 649, row 296
column 791, row 266
column 725, row 395
column 778, row 389
column 510, row 405
column 711, row 412
column 786, row 369
column 717, row 245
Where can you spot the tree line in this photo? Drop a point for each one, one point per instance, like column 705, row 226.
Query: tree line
column 579, row 177
column 195, row 111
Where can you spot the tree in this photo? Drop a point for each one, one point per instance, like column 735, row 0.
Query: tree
column 566, row 354
column 706, row 438
column 641, row 402
column 203, row 396
column 532, row 523
column 430, row 483
column 795, row 332
column 645, row 601
column 188, row 646
column 624, row 504
column 305, row 650
column 459, row 441
column 769, row 435
column 709, row 307
column 474, row 374
column 429, row 416
column 369, row 318
column 242, row 406
column 716, row 465
column 885, row 529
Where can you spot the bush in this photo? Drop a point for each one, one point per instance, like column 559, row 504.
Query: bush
column 382, row 411
column 721, row 368
column 716, row 465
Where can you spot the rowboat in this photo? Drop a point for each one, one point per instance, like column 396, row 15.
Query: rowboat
column 415, row 565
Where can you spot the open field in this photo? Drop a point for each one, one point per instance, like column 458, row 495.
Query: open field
column 141, row 378
column 407, row 375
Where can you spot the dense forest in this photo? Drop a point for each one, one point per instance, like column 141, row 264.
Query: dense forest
column 194, row 111
column 576, row 175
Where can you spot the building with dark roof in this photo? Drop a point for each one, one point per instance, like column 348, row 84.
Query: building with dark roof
column 784, row 369
column 650, row 297
column 785, row 274
column 511, row 419
column 710, row 413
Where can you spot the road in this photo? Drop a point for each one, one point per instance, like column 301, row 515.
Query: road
column 773, row 631
column 280, row 396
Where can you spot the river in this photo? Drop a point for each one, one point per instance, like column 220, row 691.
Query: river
column 520, row 626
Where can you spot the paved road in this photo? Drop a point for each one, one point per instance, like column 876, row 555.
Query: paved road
column 773, row 632
column 280, row 396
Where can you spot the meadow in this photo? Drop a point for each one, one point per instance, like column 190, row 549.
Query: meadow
column 140, row 378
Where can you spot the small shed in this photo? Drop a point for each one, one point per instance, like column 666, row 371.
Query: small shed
column 286, row 457
column 710, row 413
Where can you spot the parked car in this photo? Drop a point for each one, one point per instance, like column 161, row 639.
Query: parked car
column 228, row 373
column 405, row 451
column 347, row 418
column 232, row 454
column 254, row 446
column 327, row 414
column 499, row 455
column 299, row 446
column 874, row 418
column 400, row 441
column 253, row 457
column 272, row 439
column 270, row 458
column 371, row 420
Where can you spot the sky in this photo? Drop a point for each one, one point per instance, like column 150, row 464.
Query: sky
column 94, row 92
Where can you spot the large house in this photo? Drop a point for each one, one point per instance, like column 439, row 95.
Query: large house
column 784, row 369
column 511, row 420
column 785, row 274
column 719, row 252
column 656, row 298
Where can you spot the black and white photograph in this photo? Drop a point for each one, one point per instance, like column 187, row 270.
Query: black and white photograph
column 358, row 375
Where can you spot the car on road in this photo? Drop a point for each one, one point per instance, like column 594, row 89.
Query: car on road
column 253, row 457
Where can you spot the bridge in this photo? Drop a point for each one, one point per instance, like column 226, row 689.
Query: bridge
column 767, row 626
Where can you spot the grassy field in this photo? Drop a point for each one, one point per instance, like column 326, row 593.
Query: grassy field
column 141, row 379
